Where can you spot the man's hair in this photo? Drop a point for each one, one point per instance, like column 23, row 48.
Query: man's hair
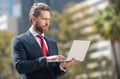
column 36, row 8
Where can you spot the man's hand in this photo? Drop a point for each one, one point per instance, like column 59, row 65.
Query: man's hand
column 65, row 64
column 55, row 57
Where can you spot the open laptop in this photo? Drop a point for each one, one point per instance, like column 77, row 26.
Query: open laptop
column 78, row 51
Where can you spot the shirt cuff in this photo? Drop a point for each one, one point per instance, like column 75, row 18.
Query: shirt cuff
column 63, row 69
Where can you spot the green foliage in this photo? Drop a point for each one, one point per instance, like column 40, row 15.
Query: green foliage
column 6, row 67
column 107, row 23
column 116, row 5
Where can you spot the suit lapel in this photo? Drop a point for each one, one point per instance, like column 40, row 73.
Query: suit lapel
column 36, row 46
column 33, row 43
column 49, row 44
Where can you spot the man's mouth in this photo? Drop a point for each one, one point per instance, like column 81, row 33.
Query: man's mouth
column 45, row 26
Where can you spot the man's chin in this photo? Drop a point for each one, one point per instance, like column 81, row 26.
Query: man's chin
column 45, row 30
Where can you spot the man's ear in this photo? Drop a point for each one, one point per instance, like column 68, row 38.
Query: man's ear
column 33, row 19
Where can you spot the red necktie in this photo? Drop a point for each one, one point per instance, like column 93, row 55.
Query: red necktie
column 43, row 46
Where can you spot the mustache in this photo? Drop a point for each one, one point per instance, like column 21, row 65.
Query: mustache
column 46, row 25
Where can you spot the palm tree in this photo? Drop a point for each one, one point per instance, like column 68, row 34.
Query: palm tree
column 107, row 23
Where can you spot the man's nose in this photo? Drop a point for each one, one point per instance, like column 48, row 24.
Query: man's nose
column 47, row 22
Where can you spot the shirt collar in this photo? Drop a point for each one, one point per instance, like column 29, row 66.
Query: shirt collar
column 34, row 33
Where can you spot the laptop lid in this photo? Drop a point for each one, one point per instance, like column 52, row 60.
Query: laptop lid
column 78, row 51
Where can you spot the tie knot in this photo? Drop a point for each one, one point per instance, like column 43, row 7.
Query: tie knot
column 40, row 36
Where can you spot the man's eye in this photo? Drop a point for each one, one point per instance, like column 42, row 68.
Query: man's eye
column 43, row 18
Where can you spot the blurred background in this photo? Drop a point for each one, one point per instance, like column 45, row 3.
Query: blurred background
column 94, row 20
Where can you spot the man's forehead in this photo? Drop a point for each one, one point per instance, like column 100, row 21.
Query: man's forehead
column 45, row 14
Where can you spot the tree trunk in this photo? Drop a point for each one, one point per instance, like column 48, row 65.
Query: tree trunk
column 116, row 59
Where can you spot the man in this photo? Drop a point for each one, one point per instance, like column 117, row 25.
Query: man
column 32, row 50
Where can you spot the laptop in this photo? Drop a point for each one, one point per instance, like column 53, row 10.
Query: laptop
column 78, row 51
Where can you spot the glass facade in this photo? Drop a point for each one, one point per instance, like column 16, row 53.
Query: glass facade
column 6, row 7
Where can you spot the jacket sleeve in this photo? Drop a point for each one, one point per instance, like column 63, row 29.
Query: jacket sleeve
column 58, row 71
column 20, row 61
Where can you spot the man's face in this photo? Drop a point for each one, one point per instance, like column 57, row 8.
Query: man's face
column 42, row 21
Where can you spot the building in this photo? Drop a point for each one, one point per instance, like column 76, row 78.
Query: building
column 8, row 19
column 9, row 24
column 6, row 7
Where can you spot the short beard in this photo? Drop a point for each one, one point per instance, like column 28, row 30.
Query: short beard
column 38, row 28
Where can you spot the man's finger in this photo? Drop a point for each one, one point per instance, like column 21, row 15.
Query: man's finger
column 61, row 57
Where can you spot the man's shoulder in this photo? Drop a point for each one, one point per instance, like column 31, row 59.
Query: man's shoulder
column 22, row 36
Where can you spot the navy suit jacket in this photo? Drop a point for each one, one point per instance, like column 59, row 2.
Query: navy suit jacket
column 29, row 61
